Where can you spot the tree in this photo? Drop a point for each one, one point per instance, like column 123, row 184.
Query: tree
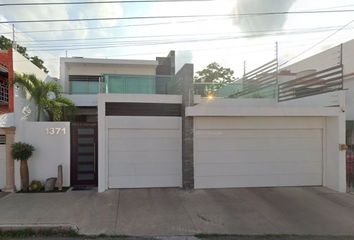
column 22, row 152
column 47, row 96
column 39, row 63
column 6, row 43
column 215, row 74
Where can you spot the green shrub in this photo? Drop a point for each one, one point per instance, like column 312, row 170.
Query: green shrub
column 35, row 186
column 22, row 151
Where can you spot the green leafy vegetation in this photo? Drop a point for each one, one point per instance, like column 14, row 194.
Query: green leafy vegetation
column 6, row 43
column 48, row 97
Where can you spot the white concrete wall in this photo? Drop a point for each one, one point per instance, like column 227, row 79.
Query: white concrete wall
column 23, row 65
column 327, row 59
column 85, row 100
column 335, row 159
column 24, row 108
column 51, row 150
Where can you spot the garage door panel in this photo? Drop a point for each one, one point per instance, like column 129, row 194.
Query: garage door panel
column 262, row 144
column 254, row 169
column 148, row 168
column 145, row 155
column 143, row 181
column 145, row 144
column 255, row 133
column 256, row 156
column 227, row 156
column 259, row 181
column 168, row 156
column 137, row 133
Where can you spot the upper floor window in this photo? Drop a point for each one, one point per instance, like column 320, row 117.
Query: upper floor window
column 83, row 84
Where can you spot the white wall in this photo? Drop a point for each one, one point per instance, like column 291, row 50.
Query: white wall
column 23, row 65
column 86, row 100
column 327, row 59
column 89, row 66
column 335, row 159
column 51, row 150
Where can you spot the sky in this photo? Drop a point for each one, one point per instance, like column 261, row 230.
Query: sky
column 229, row 41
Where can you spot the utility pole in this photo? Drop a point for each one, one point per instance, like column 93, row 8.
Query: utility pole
column 14, row 45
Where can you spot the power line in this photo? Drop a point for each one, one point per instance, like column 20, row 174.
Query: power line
column 317, row 43
column 144, row 24
column 177, row 16
column 268, row 32
column 96, row 2
column 118, row 44
column 117, row 26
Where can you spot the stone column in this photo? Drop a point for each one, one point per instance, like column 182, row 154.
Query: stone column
column 10, row 164
column 185, row 78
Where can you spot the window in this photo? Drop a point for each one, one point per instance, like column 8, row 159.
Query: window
column 81, row 84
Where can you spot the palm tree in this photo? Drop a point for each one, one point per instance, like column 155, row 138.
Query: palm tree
column 47, row 96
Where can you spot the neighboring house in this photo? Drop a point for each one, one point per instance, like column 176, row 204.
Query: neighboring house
column 139, row 125
column 14, row 109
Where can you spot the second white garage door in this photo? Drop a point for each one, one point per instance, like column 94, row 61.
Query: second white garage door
column 145, row 152
column 251, row 152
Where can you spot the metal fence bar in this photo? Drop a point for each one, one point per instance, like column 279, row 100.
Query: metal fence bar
column 327, row 80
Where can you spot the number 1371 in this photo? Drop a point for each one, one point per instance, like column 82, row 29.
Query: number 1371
column 55, row 131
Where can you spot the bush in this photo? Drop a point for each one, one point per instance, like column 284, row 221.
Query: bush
column 35, row 186
column 22, row 151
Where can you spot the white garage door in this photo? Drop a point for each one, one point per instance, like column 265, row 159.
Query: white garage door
column 2, row 165
column 251, row 152
column 145, row 152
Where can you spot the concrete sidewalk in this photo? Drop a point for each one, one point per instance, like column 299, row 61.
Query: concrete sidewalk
column 296, row 210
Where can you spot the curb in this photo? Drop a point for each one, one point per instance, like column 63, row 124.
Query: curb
column 59, row 228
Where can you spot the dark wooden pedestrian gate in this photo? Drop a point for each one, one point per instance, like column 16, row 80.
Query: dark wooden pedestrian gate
column 84, row 168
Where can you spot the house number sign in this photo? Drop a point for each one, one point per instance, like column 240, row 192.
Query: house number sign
column 55, row 131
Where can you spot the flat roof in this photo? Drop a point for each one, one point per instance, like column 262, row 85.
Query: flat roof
column 109, row 61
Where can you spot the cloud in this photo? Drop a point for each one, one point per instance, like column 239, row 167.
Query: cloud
column 261, row 23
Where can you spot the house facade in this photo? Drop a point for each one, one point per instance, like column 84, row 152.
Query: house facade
column 140, row 125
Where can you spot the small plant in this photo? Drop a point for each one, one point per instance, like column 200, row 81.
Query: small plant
column 35, row 186
column 22, row 152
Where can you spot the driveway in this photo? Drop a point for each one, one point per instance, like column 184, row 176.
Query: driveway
column 2, row 194
column 286, row 210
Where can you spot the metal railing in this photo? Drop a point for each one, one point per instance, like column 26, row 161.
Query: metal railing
column 4, row 93
column 327, row 80
column 259, row 79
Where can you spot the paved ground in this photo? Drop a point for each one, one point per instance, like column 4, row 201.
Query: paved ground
column 281, row 237
column 2, row 194
column 148, row 212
